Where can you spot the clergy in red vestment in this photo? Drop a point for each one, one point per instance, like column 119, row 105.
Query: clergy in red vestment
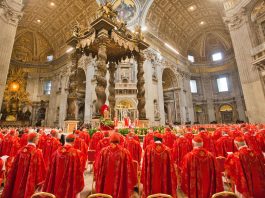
column 169, row 138
column 114, row 171
column 132, row 134
column 158, row 172
column 260, row 136
column 103, row 142
column 148, row 139
column 65, row 177
column 189, row 135
column 200, row 178
column 85, row 136
column 252, row 142
column 208, row 143
column 181, row 147
column 24, row 138
column 27, row 171
column 96, row 137
column 10, row 145
column 51, row 144
column 133, row 147
column 224, row 144
column 246, row 168
column 80, row 143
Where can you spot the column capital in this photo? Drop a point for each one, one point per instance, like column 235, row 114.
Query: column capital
column 237, row 20
column 11, row 11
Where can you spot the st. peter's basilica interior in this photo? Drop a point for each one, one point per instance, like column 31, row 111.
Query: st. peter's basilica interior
column 165, row 61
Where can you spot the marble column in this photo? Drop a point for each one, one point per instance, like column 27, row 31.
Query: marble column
column 10, row 14
column 160, row 95
column 112, row 69
column 101, row 77
column 140, row 87
column 239, row 26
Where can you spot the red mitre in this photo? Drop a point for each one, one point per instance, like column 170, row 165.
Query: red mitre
column 115, row 137
column 53, row 132
column 32, row 136
column 12, row 132
column 104, row 108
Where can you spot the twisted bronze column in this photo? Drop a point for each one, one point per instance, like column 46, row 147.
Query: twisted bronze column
column 111, row 98
column 101, row 77
column 140, row 87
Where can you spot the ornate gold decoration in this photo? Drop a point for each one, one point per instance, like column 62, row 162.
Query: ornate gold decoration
column 15, row 95
column 110, row 40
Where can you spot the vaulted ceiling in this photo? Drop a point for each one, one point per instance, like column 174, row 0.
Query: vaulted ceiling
column 182, row 23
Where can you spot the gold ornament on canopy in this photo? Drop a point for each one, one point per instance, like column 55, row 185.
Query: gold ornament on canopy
column 15, row 95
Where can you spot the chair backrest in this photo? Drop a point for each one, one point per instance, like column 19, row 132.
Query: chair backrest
column 91, row 155
column 225, row 194
column 43, row 195
column 159, row 195
column 99, row 195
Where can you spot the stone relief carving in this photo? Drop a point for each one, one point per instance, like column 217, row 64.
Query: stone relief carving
column 234, row 22
column 11, row 15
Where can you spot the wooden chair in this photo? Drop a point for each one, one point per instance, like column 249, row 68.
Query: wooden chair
column 225, row 194
column 159, row 195
column 99, row 195
column 43, row 195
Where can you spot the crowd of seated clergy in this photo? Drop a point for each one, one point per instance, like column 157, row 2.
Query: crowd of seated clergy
column 197, row 161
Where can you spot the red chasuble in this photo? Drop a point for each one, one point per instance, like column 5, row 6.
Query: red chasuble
column 114, row 172
column 50, row 145
column 208, row 143
column 252, row 142
column 223, row 145
column 102, row 144
column 26, row 174
column 65, row 176
column 9, row 146
column 168, row 139
column 158, row 172
column 24, row 140
column 181, row 147
column 199, row 176
column 96, row 137
column 85, row 136
column 189, row 136
column 247, row 170
column 134, row 148
column 148, row 139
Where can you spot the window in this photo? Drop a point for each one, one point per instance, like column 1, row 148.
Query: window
column 47, row 87
column 50, row 58
column 217, row 56
column 191, row 58
column 222, row 84
column 193, row 86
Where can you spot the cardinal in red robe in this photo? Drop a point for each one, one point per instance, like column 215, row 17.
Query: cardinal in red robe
column 148, row 139
column 181, row 147
column 189, row 135
column 103, row 142
column 252, row 142
column 96, row 137
column 208, row 143
column 10, row 145
column 246, row 168
column 224, row 144
column 200, row 178
column 81, row 146
column 114, row 170
column 65, row 176
column 27, row 172
column 169, row 138
column 158, row 172
column 85, row 136
column 133, row 147
column 50, row 145
column 260, row 136
column 24, row 138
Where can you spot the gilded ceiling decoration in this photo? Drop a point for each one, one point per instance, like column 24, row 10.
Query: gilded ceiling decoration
column 179, row 22
column 55, row 19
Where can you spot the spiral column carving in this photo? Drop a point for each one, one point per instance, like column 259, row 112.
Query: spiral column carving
column 140, row 87
column 101, row 77
column 111, row 98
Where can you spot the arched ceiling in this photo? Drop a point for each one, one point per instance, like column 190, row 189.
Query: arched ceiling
column 179, row 22
column 54, row 19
